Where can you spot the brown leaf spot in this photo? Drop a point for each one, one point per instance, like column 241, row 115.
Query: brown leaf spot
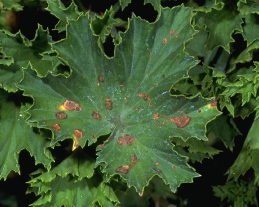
column 158, row 124
column 96, row 115
column 71, row 105
column 173, row 166
column 164, row 40
column 126, row 140
column 164, row 123
column 61, row 115
column 149, row 54
column 156, row 116
column 121, row 84
column 157, row 170
column 199, row 111
column 56, row 127
column 101, row 145
column 213, row 104
column 146, row 97
column 177, row 36
column 157, row 163
column 108, row 105
column 150, row 103
column 180, row 121
column 123, row 169
column 137, row 108
column 93, row 136
column 78, row 134
column 134, row 159
column 97, row 84
column 101, row 78
column 140, row 94
column 171, row 33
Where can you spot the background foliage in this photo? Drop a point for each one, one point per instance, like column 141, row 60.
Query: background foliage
column 129, row 103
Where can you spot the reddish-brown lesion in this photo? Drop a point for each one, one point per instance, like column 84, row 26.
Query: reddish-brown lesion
column 61, row 115
column 145, row 96
column 156, row 116
column 78, row 134
column 123, row 169
column 96, row 115
column 108, row 103
column 213, row 104
column 127, row 139
column 71, row 106
column 56, row 127
column 101, row 78
column 180, row 121
column 134, row 159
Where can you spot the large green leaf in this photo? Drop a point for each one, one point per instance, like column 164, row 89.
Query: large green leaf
column 16, row 135
column 69, row 184
column 127, row 97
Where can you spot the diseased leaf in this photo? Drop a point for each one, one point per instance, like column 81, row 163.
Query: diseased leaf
column 16, row 135
column 21, row 52
column 221, row 22
column 69, row 184
column 127, row 97
column 57, row 8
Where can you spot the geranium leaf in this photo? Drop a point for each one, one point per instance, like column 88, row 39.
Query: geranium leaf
column 23, row 51
column 247, row 158
column 127, row 97
column 69, row 184
column 57, row 8
column 10, row 4
column 16, row 135
column 220, row 22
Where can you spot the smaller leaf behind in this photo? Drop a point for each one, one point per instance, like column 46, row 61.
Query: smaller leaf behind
column 16, row 135
column 248, row 157
column 57, row 8
column 241, row 193
column 72, row 183
column 221, row 22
